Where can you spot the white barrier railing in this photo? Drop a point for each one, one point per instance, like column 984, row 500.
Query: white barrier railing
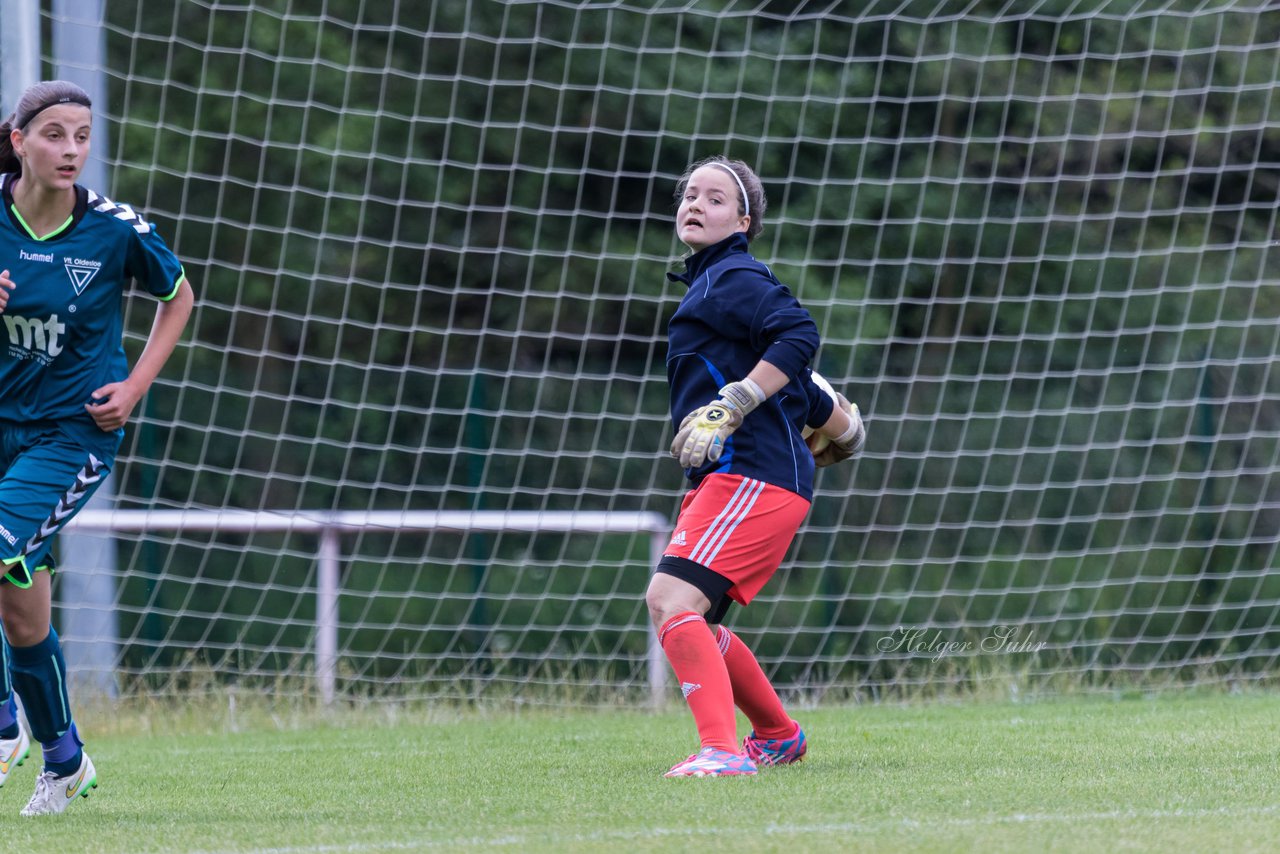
column 329, row 526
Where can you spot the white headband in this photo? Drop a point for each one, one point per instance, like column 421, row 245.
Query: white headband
column 746, row 203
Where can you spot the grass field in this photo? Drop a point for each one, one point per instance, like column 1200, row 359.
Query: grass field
column 1176, row 772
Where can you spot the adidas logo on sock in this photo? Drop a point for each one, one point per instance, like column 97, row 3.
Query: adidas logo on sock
column 678, row 539
column 687, row 688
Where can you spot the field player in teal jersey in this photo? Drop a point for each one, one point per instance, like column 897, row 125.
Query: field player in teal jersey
column 66, row 256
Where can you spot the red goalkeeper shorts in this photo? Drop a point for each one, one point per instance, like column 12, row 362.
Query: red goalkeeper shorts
column 739, row 528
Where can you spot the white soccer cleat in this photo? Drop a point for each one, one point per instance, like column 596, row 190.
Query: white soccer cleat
column 54, row 794
column 13, row 752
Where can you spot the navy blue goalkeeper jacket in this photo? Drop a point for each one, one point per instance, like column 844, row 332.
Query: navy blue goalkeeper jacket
column 736, row 313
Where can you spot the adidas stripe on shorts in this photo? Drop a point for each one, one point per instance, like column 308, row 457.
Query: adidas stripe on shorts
column 738, row 527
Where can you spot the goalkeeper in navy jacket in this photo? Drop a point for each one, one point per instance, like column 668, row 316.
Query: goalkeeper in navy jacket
column 66, row 391
column 742, row 396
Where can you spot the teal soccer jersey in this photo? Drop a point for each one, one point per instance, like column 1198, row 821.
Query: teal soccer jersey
column 61, row 335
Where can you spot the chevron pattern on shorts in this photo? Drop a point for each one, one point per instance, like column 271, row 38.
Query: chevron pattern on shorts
column 93, row 471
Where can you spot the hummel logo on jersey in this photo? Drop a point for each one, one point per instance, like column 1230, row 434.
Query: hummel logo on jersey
column 687, row 688
column 678, row 539
column 81, row 272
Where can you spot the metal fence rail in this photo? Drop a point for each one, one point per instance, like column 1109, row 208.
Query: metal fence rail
column 328, row 527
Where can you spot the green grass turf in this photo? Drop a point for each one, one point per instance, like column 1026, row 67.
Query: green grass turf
column 1176, row 772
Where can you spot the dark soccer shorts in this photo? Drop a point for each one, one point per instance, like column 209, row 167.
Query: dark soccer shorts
column 737, row 527
column 48, row 472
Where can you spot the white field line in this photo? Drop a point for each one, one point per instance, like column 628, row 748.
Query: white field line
column 774, row 829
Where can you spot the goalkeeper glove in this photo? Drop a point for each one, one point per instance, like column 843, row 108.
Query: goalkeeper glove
column 704, row 431
column 847, row 445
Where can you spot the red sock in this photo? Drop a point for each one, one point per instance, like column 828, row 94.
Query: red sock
column 704, row 680
column 752, row 690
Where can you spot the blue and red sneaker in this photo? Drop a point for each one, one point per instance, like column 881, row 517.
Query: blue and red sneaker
column 775, row 751
column 712, row 762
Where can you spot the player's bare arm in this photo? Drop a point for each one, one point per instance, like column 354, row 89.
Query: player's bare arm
column 116, row 401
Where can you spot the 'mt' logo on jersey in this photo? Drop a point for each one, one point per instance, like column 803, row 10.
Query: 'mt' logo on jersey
column 34, row 339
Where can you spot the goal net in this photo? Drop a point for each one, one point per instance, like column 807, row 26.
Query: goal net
column 429, row 244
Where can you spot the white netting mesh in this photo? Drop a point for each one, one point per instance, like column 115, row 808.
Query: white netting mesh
column 429, row 243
